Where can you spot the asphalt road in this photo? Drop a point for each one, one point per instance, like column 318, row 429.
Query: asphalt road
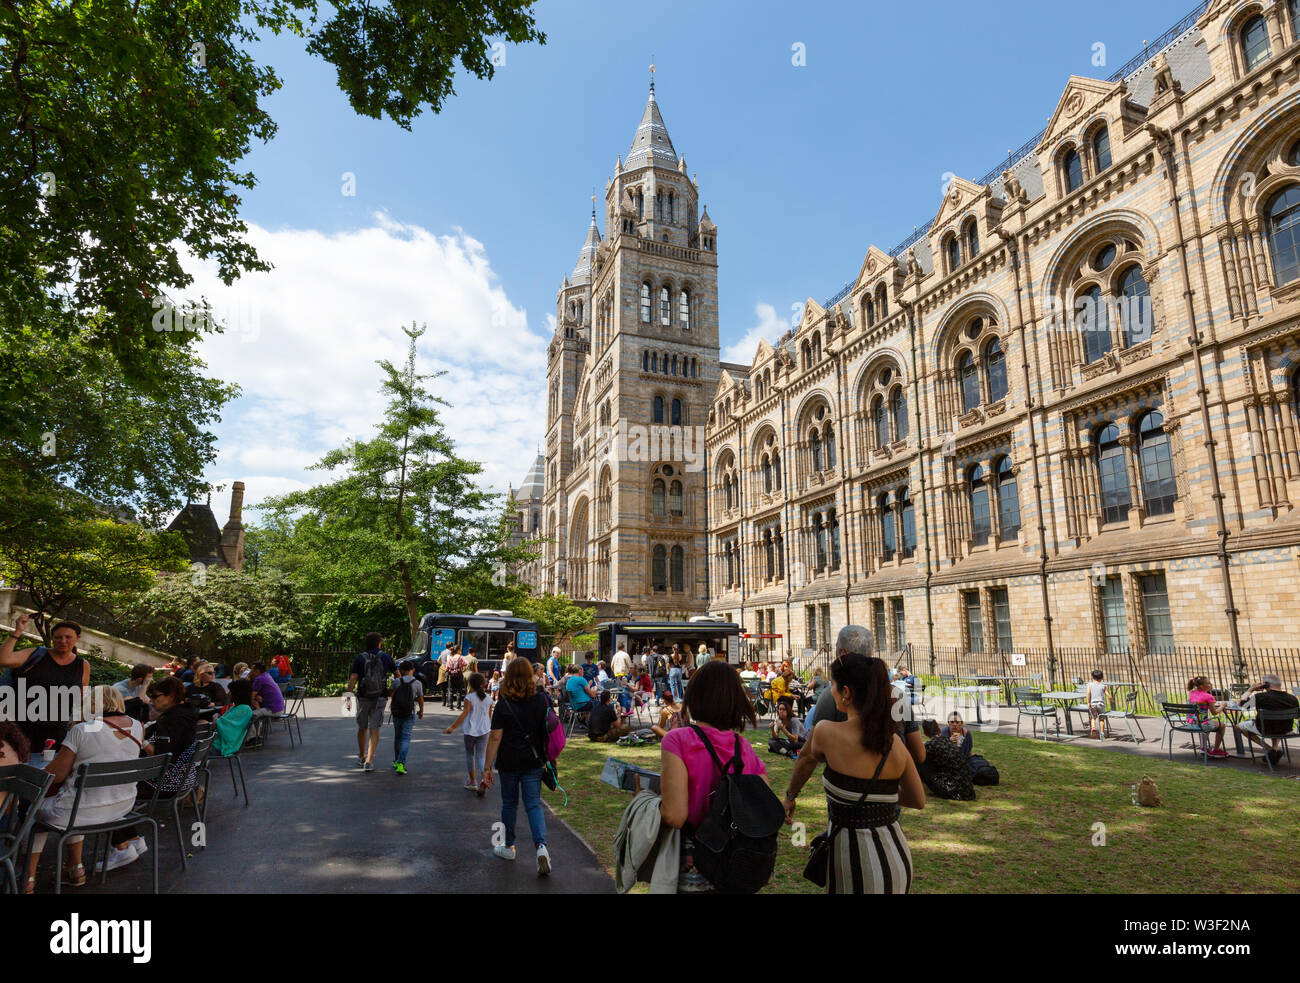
column 318, row 824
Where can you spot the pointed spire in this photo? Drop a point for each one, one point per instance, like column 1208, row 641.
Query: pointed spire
column 652, row 146
column 587, row 255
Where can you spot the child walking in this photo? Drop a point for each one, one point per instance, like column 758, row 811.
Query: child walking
column 406, row 703
column 477, row 718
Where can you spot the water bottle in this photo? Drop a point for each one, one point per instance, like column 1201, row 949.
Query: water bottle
column 346, row 708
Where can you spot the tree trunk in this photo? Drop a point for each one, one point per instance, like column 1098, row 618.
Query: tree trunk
column 412, row 601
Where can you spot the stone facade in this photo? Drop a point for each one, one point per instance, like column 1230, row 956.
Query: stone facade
column 635, row 349
column 1065, row 410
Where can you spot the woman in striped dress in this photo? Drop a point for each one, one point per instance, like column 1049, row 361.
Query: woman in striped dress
column 868, row 776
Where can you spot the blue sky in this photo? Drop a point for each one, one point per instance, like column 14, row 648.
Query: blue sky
column 469, row 221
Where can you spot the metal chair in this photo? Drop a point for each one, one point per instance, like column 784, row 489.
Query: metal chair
column 1187, row 718
column 195, row 758
column 294, row 710
column 1029, row 703
column 946, row 681
column 105, row 774
column 1128, row 713
column 299, row 707
column 1293, row 718
column 23, row 789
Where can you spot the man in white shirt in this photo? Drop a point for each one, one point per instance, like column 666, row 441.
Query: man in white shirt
column 622, row 662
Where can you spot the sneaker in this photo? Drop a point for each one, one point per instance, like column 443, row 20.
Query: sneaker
column 504, row 852
column 361, row 762
column 368, row 766
column 1275, row 756
column 139, row 846
column 1217, row 752
column 399, row 767
column 543, row 861
column 118, row 858
column 470, row 785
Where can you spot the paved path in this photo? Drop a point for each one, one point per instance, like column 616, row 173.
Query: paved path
column 318, row 824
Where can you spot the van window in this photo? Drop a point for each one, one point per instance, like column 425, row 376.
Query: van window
column 419, row 644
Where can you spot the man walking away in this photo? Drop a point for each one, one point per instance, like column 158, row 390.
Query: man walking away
column 407, row 703
column 370, row 672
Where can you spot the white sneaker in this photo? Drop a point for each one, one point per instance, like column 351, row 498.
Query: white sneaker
column 118, row 858
column 139, row 846
column 543, row 861
column 504, row 852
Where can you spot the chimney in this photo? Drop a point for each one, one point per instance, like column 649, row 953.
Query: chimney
column 237, row 503
column 232, row 536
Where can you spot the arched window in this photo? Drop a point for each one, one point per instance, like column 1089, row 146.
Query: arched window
column 887, row 541
column 807, row 356
column 1293, row 11
column 995, row 369
column 1159, row 489
column 1101, row 149
column 1095, row 324
column 1134, row 306
column 834, row 524
column 882, row 302
column 665, row 307
column 684, row 310
column 817, row 348
column 898, row 413
column 970, row 383
column 767, row 473
column 880, row 422
column 1072, row 165
column 671, row 206
column 674, row 370
column 953, row 252
column 814, row 440
column 676, row 568
column 1112, row 475
column 659, row 410
column 776, row 468
column 979, row 507
column 677, row 412
column 870, row 309
column 675, row 498
column 1104, row 257
column 1255, row 48
column 726, row 491
column 1293, row 155
column 654, row 362
column 645, row 361
column 828, row 441
column 1284, row 234
column 1008, row 500
column 972, row 240
column 769, row 554
column 658, row 573
column 907, row 525
column 819, row 537
column 645, row 303
column 657, row 497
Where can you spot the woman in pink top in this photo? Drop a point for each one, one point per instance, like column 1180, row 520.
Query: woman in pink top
column 1199, row 695
column 716, row 702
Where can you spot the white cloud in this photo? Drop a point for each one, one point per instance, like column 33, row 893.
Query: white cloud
column 770, row 326
column 302, row 342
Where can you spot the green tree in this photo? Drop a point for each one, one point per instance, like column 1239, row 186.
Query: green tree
column 222, row 609
column 63, row 550
column 403, row 518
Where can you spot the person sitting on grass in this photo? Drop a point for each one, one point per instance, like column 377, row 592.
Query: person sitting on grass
column 1199, row 695
column 957, row 733
column 944, row 770
column 1267, row 694
column 232, row 726
column 603, row 722
column 671, row 716
column 1097, row 705
column 788, row 732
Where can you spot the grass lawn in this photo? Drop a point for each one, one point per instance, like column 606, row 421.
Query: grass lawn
column 1032, row 833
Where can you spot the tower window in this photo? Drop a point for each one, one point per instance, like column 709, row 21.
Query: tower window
column 1073, row 167
column 664, row 307
column 1101, row 149
column 645, row 303
column 1255, row 47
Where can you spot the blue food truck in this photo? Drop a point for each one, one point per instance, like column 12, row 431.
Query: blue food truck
column 487, row 631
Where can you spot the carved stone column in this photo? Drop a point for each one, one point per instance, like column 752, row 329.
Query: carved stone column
column 1259, row 464
column 1274, row 445
column 1286, row 409
column 1136, row 511
column 1227, row 249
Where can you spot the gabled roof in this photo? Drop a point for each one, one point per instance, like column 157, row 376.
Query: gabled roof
column 959, row 195
column 1080, row 95
column 872, row 263
column 198, row 527
column 651, row 146
column 586, row 264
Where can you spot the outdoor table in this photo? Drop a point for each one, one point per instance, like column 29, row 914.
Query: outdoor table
column 1062, row 696
column 1234, row 712
column 976, row 691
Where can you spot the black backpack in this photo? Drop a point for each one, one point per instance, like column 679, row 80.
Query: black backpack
column 374, row 678
column 981, row 772
column 735, row 846
column 403, row 700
